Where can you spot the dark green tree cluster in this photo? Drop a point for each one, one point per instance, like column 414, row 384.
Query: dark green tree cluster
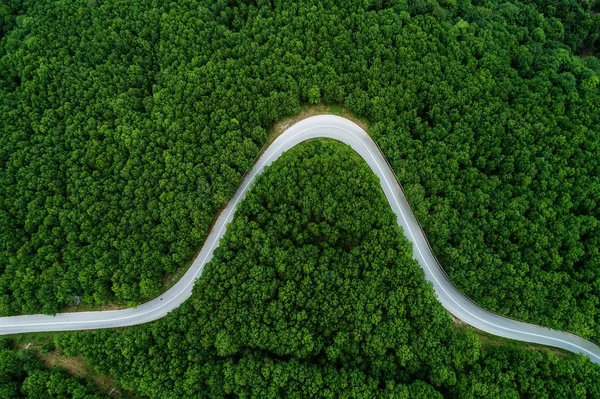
column 9, row 11
column 501, row 167
column 23, row 375
column 126, row 126
column 580, row 21
column 313, row 292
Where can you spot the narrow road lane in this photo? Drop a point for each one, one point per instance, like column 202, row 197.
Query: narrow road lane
column 337, row 128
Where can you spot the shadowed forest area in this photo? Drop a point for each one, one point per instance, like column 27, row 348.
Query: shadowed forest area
column 23, row 375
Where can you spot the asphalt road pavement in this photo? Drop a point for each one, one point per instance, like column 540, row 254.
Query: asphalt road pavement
column 337, row 128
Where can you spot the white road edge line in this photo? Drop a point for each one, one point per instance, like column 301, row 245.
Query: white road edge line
column 323, row 126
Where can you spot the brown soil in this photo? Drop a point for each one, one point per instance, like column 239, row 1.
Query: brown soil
column 89, row 308
column 78, row 367
column 307, row 111
column 587, row 53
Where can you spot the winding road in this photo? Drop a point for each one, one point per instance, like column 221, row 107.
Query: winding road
column 337, row 128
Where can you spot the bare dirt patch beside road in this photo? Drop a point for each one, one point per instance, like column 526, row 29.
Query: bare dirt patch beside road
column 77, row 367
column 307, row 111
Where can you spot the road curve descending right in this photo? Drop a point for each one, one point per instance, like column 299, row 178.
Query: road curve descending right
column 345, row 131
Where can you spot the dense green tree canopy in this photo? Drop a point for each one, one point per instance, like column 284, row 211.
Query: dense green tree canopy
column 313, row 292
column 126, row 126
column 23, row 375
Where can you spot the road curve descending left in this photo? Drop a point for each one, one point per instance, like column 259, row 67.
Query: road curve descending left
column 341, row 129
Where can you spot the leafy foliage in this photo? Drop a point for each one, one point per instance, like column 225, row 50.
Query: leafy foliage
column 313, row 292
column 127, row 125
column 579, row 21
column 22, row 375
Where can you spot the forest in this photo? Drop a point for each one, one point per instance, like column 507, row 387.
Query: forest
column 313, row 293
column 127, row 125
column 23, row 375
